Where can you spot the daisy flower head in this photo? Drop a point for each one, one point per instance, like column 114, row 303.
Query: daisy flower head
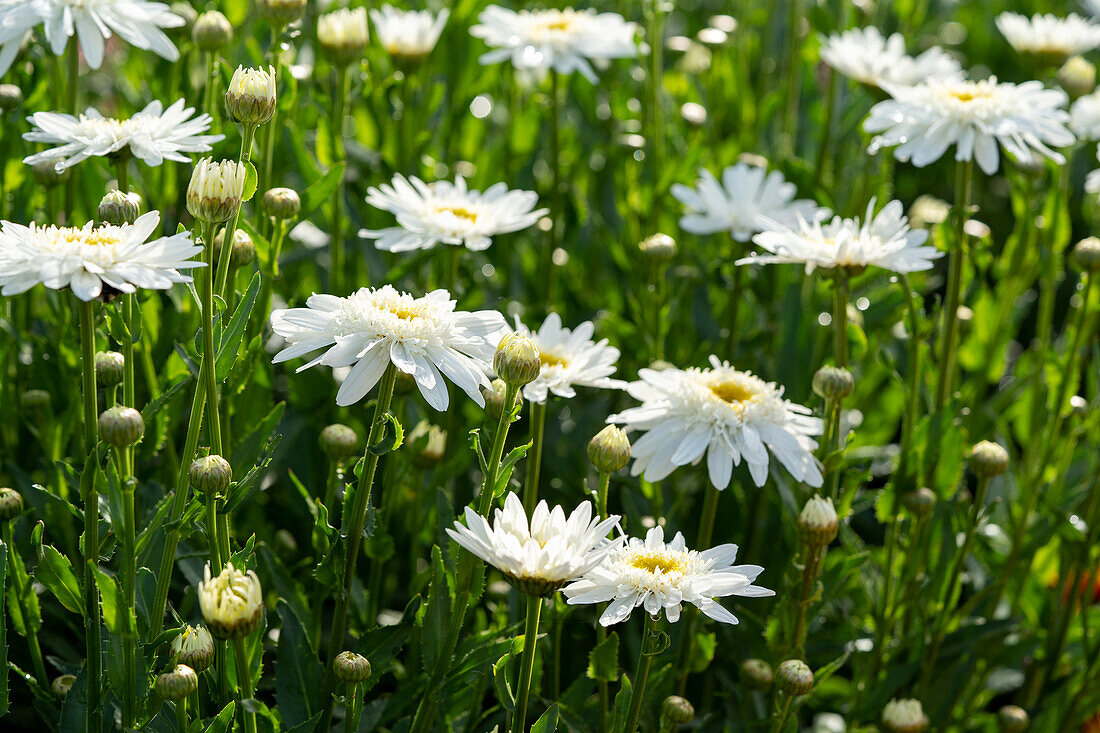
column 138, row 22
column 542, row 555
column 562, row 40
column 864, row 55
column 374, row 327
column 977, row 117
column 94, row 261
column 1047, row 37
column 448, row 213
column 657, row 575
column 408, row 34
column 153, row 135
column 883, row 240
column 232, row 602
column 741, row 203
column 727, row 414
column 1084, row 117
column 569, row 358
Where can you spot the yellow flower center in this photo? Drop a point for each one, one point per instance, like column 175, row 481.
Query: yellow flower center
column 405, row 313
column 459, row 212
column 551, row 360
column 558, row 25
column 94, row 238
column 651, row 562
column 732, row 392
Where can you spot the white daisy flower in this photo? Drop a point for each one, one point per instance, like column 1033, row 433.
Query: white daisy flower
column 232, row 602
column 91, row 259
column 742, row 202
column 1084, row 117
column 974, row 116
column 138, row 22
column 864, row 55
column 563, row 40
column 728, row 414
column 449, row 213
column 541, row 556
column 375, row 327
column 569, row 359
column 153, row 135
column 882, row 239
column 1049, row 36
column 409, row 34
column 656, row 575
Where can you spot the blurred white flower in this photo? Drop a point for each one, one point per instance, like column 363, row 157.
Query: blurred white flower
column 1048, row 35
column 1084, row 117
column 90, row 258
column 569, row 358
column 372, row 328
column 657, row 575
column 563, row 40
column 153, row 135
column 864, row 55
column 727, row 414
column 541, row 556
column 976, row 117
column 138, row 22
column 408, row 34
column 343, row 35
column 746, row 198
column 883, row 240
column 449, row 213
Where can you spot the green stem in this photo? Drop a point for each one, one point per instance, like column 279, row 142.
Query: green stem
column 269, row 131
column 181, row 715
column 656, row 84
column 534, row 458
column 782, row 713
column 209, row 356
column 224, row 257
column 216, row 560
column 336, row 248
column 734, row 309
column 546, row 271
column 527, row 664
column 956, row 266
column 19, row 586
column 129, row 584
column 94, row 664
column 810, row 571
column 355, row 708
column 641, row 674
column 826, row 131
column 603, row 483
column 244, row 684
column 840, row 318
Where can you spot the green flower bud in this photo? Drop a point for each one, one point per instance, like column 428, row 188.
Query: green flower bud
column 1086, row 255
column 494, row 395
column 35, row 399
column 757, row 674
column 250, row 98
column 659, row 248
column 212, row 31
column 339, row 442
column 517, row 360
column 988, row 459
column 119, row 208
column 833, row 383
column 243, row 248
column 818, row 522
column 677, row 710
column 609, row 449
column 231, row 602
column 904, row 716
column 210, row 474
column 794, row 677
column 1077, row 76
column 281, row 203
column 121, row 426
column 343, row 35
column 110, row 367
column 11, row 97
column 194, row 647
column 177, row 684
column 11, row 504
column 1013, row 719
column 920, row 501
column 215, row 190
column 351, row 667
column 280, row 12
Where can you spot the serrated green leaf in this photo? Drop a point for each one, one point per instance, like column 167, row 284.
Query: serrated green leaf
column 547, row 722
column 393, row 435
column 56, row 573
column 603, row 660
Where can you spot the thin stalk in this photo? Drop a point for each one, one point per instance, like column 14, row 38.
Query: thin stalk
column 216, row 560
column 840, row 318
column 209, row 356
column 603, row 484
column 129, row 584
column 94, row 664
column 655, row 32
column 354, row 535
column 826, row 131
column 355, row 708
column 815, row 555
column 208, row 103
column 19, row 586
column 181, row 715
column 244, row 684
column 72, row 54
column 527, row 663
column 247, row 136
column 336, row 247
column 556, row 213
column 641, row 675
column 534, row 458
column 956, row 265
column 782, row 713
column 269, row 131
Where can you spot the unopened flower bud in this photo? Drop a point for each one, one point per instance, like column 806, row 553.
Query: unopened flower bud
column 250, row 98
column 110, row 367
column 339, row 442
column 494, row 396
column 517, row 360
column 243, row 248
column 1077, row 76
column 1078, row 406
column 677, row 710
column 177, row 684
column 280, row 12
column 351, row 667
column 1012, row 719
column 988, row 459
column 47, row 174
column 211, row 31
column 231, row 602
column 343, row 35
column 215, row 190
column 11, row 504
column 660, row 248
column 427, row 444
column 119, row 208
column 11, row 97
column 121, row 426
column 928, row 211
column 904, row 716
column 794, row 677
column 920, row 501
column 210, row 474
column 833, row 383
column 609, row 449
column 757, row 674
column 62, row 684
column 281, row 203
column 1086, row 255
column 194, row 647
column 818, row 523
column 35, row 399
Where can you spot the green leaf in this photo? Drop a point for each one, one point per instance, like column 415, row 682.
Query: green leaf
column 56, row 573
column 501, row 674
column 115, row 614
column 437, row 612
column 251, row 181
column 298, row 672
column 507, row 466
column 393, row 435
column 603, row 660
column 317, row 194
column 547, row 722
column 221, row 723
column 231, row 337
